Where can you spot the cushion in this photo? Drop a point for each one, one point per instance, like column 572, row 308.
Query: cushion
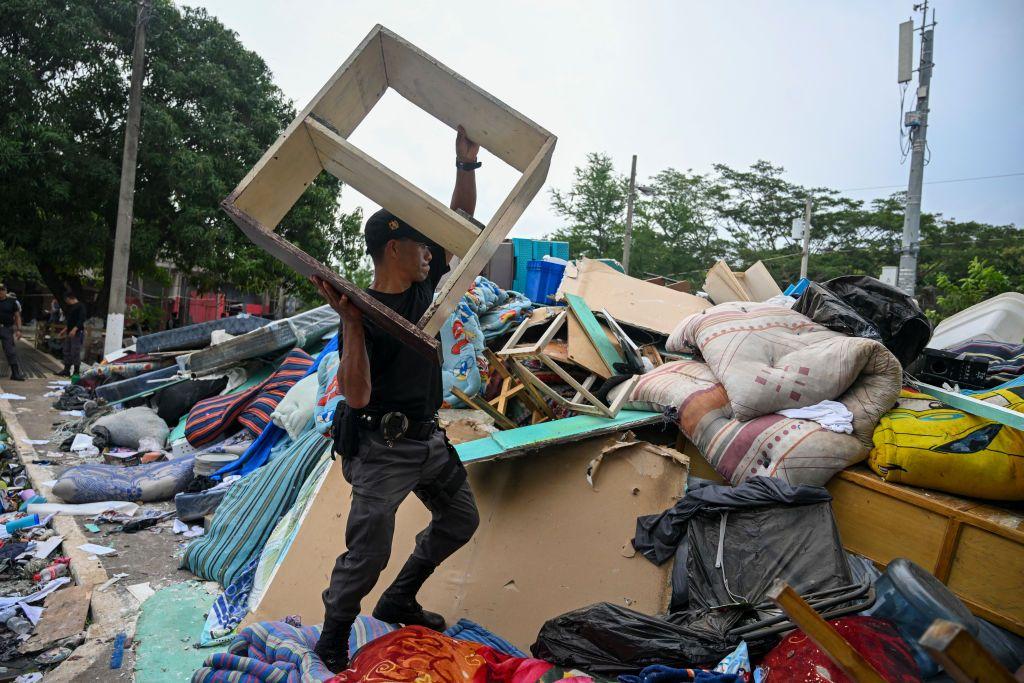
column 126, row 427
column 770, row 358
column 256, row 415
column 295, row 410
column 96, row 482
column 212, row 418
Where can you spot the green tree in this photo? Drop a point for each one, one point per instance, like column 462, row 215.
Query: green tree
column 594, row 208
column 210, row 108
column 982, row 282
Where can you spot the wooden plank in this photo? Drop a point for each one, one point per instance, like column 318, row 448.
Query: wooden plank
column 64, row 615
column 306, row 265
column 948, row 549
column 499, row 419
column 272, row 186
column 452, row 99
column 995, row 586
column 539, row 404
column 513, row 348
column 723, row 286
column 487, row 243
column 354, row 167
column 592, row 328
column 582, row 352
column 629, row 300
column 842, row 654
column 961, row 655
column 969, row 404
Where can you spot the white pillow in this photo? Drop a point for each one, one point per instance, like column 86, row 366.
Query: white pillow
column 295, row 410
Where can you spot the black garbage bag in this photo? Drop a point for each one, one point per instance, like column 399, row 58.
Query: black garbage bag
column 606, row 639
column 862, row 306
column 177, row 399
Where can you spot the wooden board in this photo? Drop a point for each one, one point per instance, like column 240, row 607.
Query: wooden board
column 760, row 283
column 629, row 300
column 414, row 206
column 580, row 351
column 960, row 654
column 304, row 264
column 610, row 355
column 64, row 615
column 541, row 503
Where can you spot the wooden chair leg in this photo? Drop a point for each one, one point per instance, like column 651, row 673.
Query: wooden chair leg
column 961, row 655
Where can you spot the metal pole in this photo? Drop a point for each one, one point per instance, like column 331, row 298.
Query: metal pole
column 126, row 195
column 910, row 246
column 807, row 239
column 627, row 239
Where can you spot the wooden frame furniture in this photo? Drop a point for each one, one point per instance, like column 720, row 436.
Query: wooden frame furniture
column 317, row 141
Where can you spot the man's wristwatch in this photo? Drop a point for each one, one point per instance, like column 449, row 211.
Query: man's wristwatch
column 468, row 165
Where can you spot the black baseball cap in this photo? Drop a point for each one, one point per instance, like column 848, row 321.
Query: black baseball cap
column 384, row 225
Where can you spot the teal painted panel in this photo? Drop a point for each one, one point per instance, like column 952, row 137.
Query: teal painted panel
column 973, row 406
column 169, row 627
column 593, row 329
column 535, row 436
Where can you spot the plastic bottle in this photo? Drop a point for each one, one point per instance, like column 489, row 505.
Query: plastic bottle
column 19, row 625
column 30, row 520
column 52, row 572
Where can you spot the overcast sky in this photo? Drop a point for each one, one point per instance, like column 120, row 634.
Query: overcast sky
column 807, row 85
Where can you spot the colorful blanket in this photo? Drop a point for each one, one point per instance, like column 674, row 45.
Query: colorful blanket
column 267, row 652
column 1005, row 361
column 415, row 654
column 485, row 311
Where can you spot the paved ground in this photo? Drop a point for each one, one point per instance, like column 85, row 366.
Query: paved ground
column 149, row 555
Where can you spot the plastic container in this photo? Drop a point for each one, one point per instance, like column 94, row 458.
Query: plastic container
column 206, row 464
column 23, row 523
column 1000, row 319
column 542, row 280
column 912, row 599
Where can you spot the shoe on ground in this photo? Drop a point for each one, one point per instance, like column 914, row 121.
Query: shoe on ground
column 407, row 612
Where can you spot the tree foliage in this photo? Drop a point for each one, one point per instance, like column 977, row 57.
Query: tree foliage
column 209, row 110
column 685, row 221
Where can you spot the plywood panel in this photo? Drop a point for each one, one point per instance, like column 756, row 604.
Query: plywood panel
column 547, row 542
column 396, row 194
column 447, row 96
column 866, row 526
column 989, row 571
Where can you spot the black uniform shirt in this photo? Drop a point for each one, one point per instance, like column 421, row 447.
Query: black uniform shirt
column 76, row 316
column 401, row 379
column 9, row 307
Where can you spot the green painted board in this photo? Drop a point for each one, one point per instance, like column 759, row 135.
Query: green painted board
column 594, row 331
column 167, row 630
column 973, row 406
column 531, row 437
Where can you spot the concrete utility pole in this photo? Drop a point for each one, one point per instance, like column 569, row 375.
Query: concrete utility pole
column 917, row 122
column 807, row 239
column 628, row 238
column 126, row 196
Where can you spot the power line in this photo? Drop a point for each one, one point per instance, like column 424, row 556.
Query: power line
column 934, row 182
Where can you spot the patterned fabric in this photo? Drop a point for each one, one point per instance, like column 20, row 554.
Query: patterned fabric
column 256, row 415
column 416, row 655
column 769, row 358
column 112, row 372
column 267, row 652
column 229, row 608
column 328, row 394
column 97, row 482
column 212, row 418
column 924, row 442
column 1005, row 361
column 484, row 312
column 252, row 506
column 797, row 659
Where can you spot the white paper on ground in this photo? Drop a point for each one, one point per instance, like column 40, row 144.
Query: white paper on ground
column 96, row 549
column 45, row 548
column 194, row 532
column 82, row 442
column 33, row 613
column 12, row 397
column 111, row 581
column 38, row 595
column 73, row 413
column 35, row 442
column 141, row 591
column 179, row 526
column 86, row 509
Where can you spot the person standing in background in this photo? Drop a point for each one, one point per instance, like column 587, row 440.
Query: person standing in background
column 10, row 331
column 74, row 331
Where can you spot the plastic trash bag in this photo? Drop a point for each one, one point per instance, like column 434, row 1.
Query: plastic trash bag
column 862, row 306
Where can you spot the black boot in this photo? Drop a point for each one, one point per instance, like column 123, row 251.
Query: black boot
column 77, row 370
column 398, row 603
column 66, row 372
column 332, row 648
column 16, row 374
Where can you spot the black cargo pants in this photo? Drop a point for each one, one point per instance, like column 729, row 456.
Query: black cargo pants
column 9, row 345
column 381, row 478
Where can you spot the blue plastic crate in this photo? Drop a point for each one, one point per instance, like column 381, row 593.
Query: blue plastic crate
column 542, row 280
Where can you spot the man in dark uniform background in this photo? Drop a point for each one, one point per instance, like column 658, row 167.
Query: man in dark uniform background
column 388, row 437
column 10, row 331
column 74, row 333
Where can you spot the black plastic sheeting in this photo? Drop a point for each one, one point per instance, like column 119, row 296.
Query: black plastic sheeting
column 175, row 401
column 730, row 544
column 862, row 306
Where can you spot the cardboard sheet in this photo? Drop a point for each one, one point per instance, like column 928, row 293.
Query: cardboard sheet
column 548, row 542
column 755, row 284
column 629, row 300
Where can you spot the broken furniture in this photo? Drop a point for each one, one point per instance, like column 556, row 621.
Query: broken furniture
column 756, row 284
column 516, row 352
column 317, row 141
column 962, row 656
column 514, row 385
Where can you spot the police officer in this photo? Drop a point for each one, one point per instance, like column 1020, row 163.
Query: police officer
column 74, row 334
column 10, row 331
column 387, row 436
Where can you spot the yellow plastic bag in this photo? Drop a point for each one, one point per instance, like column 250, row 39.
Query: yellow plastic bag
column 924, row 442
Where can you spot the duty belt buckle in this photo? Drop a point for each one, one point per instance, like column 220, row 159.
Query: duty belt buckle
column 393, row 426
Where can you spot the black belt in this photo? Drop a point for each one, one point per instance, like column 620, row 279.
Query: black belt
column 396, row 425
